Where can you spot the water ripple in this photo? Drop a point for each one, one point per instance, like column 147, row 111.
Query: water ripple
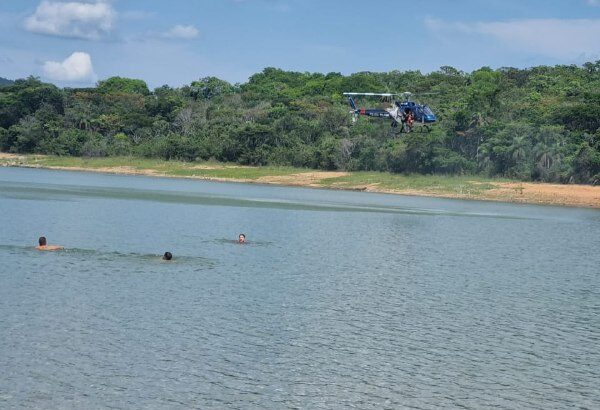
column 385, row 303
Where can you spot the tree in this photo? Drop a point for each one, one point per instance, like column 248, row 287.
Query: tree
column 114, row 85
column 26, row 135
column 209, row 87
column 484, row 90
column 25, row 97
column 5, row 141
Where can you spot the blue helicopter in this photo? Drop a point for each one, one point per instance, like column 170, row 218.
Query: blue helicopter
column 407, row 114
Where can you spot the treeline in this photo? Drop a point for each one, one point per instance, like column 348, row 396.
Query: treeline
column 540, row 124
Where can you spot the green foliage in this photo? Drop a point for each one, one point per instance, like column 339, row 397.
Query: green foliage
column 120, row 145
column 68, row 142
column 26, row 135
column 5, row 142
column 122, row 85
column 483, row 90
column 584, row 115
column 533, row 124
column 209, row 87
column 394, row 156
column 95, row 147
column 25, row 97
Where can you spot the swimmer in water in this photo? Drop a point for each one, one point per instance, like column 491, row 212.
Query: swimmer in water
column 167, row 256
column 43, row 246
column 242, row 238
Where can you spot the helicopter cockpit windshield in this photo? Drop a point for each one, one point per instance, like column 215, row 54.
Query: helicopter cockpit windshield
column 427, row 111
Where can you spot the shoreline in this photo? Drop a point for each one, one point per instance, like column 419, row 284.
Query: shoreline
column 451, row 187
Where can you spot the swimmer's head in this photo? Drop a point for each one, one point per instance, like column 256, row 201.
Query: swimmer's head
column 42, row 241
column 167, row 256
column 242, row 238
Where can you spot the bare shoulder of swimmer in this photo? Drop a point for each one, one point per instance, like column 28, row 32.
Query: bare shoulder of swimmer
column 49, row 248
column 43, row 245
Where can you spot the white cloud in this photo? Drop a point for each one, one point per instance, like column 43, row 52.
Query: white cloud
column 564, row 39
column 183, row 32
column 72, row 19
column 75, row 68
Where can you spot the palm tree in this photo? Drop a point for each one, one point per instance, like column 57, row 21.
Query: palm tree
column 485, row 156
column 547, row 149
column 519, row 148
column 544, row 154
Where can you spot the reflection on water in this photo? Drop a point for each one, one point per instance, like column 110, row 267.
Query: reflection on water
column 44, row 192
column 340, row 299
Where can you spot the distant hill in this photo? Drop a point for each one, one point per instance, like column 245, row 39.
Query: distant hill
column 5, row 81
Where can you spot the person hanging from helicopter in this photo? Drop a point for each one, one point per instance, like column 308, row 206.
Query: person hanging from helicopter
column 408, row 118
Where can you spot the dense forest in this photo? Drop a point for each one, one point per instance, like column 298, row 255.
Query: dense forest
column 541, row 123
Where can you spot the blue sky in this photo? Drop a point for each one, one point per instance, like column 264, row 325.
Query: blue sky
column 76, row 43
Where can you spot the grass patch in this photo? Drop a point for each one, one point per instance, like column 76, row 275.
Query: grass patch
column 94, row 163
column 234, row 172
column 467, row 185
column 162, row 167
column 464, row 186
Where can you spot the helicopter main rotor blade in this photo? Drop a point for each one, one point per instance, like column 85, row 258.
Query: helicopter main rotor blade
column 373, row 94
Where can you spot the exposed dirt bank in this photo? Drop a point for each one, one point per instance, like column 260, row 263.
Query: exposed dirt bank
column 519, row 192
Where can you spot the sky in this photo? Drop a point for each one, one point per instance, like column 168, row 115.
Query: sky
column 174, row 42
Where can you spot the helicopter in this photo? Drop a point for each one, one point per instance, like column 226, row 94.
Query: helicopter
column 406, row 113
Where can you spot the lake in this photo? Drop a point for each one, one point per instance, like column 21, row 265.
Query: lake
column 339, row 300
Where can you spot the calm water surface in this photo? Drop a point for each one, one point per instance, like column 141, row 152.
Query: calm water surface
column 340, row 300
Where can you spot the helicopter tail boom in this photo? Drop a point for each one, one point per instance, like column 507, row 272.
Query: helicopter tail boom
column 373, row 113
